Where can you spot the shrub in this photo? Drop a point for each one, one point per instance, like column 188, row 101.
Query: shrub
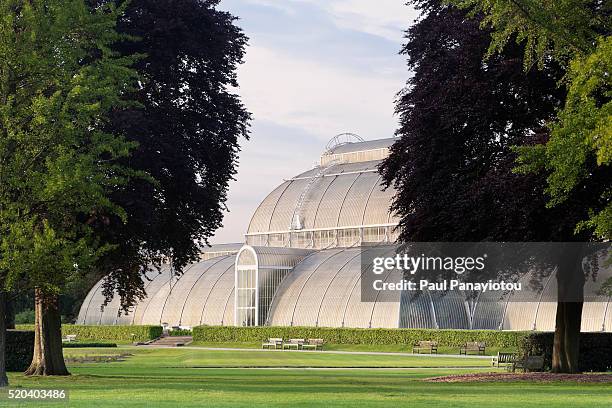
column 180, row 332
column 25, row 317
column 19, row 349
column 445, row 338
column 595, row 350
column 113, row 333
column 77, row 344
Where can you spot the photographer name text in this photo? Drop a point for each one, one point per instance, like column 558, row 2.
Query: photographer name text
column 445, row 285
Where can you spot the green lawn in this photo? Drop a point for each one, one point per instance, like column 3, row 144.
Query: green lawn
column 173, row 378
column 193, row 358
column 395, row 348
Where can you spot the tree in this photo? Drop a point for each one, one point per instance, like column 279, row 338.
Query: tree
column 576, row 33
column 58, row 166
column 188, row 127
column 577, row 157
column 460, row 116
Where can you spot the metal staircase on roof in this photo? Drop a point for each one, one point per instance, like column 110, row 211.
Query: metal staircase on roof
column 297, row 217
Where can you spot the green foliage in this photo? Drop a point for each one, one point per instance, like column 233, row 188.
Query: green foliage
column 112, row 333
column 58, row 81
column 180, row 332
column 445, row 338
column 136, row 333
column 77, row 344
column 19, row 349
column 581, row 135
column 563, row 27
column 576, row 33
column 25, row 317
column 594, row 349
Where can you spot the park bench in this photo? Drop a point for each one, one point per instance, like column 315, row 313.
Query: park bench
column 473, row 346
column 506, row 359
column 70, row 338
column 528, row 363
column 293, row 343
column 313, row 344
column 272, row 342
column 430, row 346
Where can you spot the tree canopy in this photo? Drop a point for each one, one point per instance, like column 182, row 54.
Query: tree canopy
column 459, row 118
column 576, row 34
column 462, row 114
column 188, row 126
column 59, row 165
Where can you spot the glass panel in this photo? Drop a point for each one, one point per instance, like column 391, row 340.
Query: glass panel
column 245, row 296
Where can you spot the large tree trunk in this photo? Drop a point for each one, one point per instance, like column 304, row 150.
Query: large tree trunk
column 3, row 377
column 566, row 345
column 9, row 312
column 570, row 291
column 48, row 354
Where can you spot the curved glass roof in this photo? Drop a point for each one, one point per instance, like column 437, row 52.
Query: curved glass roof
column 203, row 294
column 324, row 290
column 346, row 195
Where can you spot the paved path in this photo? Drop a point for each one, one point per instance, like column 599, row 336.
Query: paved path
column 471, row 368
column 374, row 353
column 172, row 341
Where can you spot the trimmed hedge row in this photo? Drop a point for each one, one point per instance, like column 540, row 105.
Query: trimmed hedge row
column 595, row 350
column 77, row 344
column 445, row 338
column 19, row 349
column 179, row 332
column 115, row 333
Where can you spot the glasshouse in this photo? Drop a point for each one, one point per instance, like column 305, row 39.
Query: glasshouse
column 300, row 265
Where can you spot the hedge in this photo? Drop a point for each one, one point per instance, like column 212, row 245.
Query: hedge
column 114, row 333
column 19, row 349
column 179, row 332
column 595, row 350
column 445, row 338
column 78, row 344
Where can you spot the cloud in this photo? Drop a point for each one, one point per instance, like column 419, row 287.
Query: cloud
column 287, row 6
column 273, row 154
column 384, row 18
column 324, row 100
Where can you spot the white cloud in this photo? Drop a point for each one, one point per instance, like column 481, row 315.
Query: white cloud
column 321, row 99
column 273, row 154
column 284, row 5
column 384, row 18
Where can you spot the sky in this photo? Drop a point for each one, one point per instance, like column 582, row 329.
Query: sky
column 313, row 69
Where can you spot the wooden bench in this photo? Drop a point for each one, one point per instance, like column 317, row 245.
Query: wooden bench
column 70, row 338
column 504, row 358
column 313, row 344
column 293, row 343
column 528, row 363
column 473, row 346
column 275, row 342
column 430, row 346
